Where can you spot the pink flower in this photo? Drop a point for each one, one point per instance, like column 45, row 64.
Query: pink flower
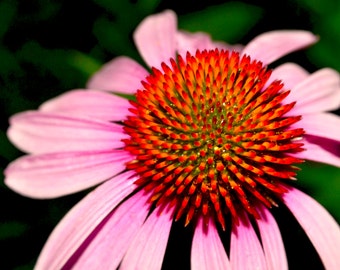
column 212, row 135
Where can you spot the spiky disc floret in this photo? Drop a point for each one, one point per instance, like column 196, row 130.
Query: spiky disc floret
column 207, row 137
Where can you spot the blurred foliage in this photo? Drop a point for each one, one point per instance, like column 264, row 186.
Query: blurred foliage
column 226, row 22
column 323, row 181
column 50, row 46
column 325, row 21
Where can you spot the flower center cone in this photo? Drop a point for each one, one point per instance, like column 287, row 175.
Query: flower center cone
column 209, row 138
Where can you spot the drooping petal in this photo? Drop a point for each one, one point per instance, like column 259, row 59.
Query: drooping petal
column 290, row 74
column 272, row 243
column 148, row 248
column 155, row 38
column 319, row 92
column 122, row 74
column 207, row 250
column 108, row 247
column 82, row 219
column 272, row 45
column 41, row 132
column 246, row 252
column 325, row 125
column 57, row 174
column 320, row 150
column 322, row 230
column 92, row 104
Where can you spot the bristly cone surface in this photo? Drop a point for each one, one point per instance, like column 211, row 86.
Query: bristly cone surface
column 209, row 139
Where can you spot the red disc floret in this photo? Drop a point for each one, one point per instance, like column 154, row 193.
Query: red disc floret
column 209, row 138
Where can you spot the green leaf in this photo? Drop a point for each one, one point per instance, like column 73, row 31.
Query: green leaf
column 12, row 229
column 9, row 63
column 82, row 62
column 326, row 51
column 323, row 183
column 113, row 38
column 8, row 12
column 115, row 7
column 317, row 6
column 147, row 6
column 133, row 8
column 228, row 22
column 69, row 66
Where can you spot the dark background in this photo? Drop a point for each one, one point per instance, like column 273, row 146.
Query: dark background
column 48, row 47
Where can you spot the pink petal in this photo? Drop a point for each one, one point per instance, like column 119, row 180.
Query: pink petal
column 207, row 250
column 92, row 104
column 270, row 46
column 186, row 41
column 245, row 249
column 272, row 243
column 148, row 248
column 108, row 247
column 82, row 219
column 41, row 132
column 325, row 151
column 155, row 38
column 322, row 230
column 53, row 175
column 121, row 74
column 290, row 74
column 319, row 92
column 324, row 125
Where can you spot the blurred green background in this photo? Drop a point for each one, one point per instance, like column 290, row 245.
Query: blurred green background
column 50, row 46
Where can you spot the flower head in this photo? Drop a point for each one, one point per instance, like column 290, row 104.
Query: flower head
column 212, row 137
